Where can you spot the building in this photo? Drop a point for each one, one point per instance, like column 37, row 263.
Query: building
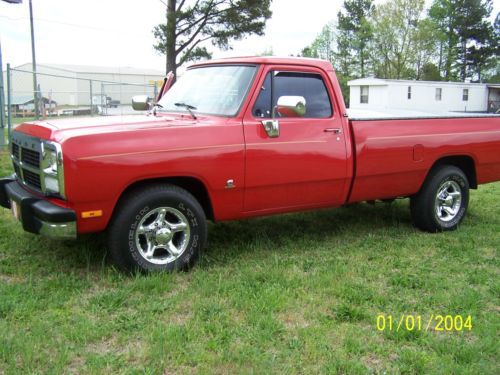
column 425, row 96
column 22, row 106
column 75, row 85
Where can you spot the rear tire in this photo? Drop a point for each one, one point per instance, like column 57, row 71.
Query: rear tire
column 442, row 202
column 157, row 228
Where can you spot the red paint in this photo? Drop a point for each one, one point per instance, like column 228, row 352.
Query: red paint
column 304, row 168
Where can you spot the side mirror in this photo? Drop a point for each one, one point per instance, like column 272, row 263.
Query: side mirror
column 291, row 106
column 141, row 103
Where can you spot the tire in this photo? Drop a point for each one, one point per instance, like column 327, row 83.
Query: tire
column 441, row 203
column 158, row 228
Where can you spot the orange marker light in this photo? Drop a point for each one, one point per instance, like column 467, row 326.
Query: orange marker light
column 91, row 214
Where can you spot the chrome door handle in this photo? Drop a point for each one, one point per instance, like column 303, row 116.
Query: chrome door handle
column 333, row 130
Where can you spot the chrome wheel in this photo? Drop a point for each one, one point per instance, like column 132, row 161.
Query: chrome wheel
column 448, row 201
column 162, row 235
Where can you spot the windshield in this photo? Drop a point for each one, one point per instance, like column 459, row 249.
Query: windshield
column 213, row 90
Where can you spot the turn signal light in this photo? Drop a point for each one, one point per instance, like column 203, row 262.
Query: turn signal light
column 91, row 214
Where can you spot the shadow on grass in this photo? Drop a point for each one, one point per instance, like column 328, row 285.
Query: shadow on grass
column 230, row 240
column 307, row 229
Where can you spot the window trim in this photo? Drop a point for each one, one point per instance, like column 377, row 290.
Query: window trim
column 300, row 70
column 439, row 97
column 361, row 94
column 465, row 95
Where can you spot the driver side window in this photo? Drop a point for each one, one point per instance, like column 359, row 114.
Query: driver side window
column 308, row 85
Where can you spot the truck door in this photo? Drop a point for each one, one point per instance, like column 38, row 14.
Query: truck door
column 306, row 164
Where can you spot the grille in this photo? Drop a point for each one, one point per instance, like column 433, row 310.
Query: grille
column 30, row 157
column 17, row 170
column 15, row 150
column 32, row 179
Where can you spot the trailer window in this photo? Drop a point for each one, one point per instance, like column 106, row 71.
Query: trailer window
column 439, row 93
column 364, row 94
column 409, row 92
column 465, row 95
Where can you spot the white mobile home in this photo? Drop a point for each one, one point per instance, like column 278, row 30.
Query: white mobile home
column 425, row 96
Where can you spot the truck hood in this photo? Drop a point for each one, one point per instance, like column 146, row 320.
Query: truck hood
column 60, row 130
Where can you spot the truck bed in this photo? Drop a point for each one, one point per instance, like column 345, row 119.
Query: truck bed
column 393, row 155
column 400, row 114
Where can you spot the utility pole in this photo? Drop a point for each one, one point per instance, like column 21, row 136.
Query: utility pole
column 33, row 59
column 2, row 96
column 2, row 102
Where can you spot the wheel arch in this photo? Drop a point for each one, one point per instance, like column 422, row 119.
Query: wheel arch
column 191, row 184
column 464, row 162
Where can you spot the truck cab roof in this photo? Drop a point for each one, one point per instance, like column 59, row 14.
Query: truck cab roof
column 301, row 61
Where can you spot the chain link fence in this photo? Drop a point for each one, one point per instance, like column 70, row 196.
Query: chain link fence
column 61, row 96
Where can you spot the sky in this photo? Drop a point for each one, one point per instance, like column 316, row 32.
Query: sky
column 119, row 33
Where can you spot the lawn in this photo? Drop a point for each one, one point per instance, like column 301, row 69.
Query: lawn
column 288, row 294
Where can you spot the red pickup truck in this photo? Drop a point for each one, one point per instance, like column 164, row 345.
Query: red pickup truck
column 234, row 139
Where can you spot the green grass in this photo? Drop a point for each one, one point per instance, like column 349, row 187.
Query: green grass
column 291, row 294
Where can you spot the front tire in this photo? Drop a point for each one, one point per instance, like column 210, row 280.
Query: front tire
column 158, row 228
column 441, row 203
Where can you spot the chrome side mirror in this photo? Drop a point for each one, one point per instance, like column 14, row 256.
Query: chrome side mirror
column 141, row 103
column 291, row 106
column 272, row 128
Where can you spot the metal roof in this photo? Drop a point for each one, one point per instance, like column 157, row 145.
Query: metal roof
column 371, row 81
column 26, row 99
column 92, row 69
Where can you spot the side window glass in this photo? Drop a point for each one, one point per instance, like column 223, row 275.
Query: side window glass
column 308, row 85
column 262, row 107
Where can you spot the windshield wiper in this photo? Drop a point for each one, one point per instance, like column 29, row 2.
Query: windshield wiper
column 188, row 107
column 156, row 106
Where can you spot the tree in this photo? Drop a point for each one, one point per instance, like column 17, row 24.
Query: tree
column 444, row 14
column 354, row 34
column 395, row 26
column 192, row 22
column 426, row 39
column 309, row 51
column 324, row 43
column 470, row 40
column 430, row 72
column 475, row 34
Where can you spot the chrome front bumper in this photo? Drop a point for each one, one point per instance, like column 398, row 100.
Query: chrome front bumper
column 37, row 215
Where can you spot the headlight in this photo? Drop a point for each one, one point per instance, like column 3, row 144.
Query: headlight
column 52, row 167
column 51, row 161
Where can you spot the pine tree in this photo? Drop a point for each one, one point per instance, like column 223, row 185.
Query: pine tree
column 190, row 23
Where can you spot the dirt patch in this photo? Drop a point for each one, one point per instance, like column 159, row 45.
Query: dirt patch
column 105, row 346
column 11, row 279
column 293, row 320
column 75, row 366
column 372, row 362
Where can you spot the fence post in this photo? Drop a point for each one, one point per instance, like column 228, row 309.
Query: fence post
column 91, row 104
column 9, row 101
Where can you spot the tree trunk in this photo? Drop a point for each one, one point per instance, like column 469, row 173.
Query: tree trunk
column 449, row 55
column 170, row 53
column 463, row 68
column 362, row 61
column 440, row 63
